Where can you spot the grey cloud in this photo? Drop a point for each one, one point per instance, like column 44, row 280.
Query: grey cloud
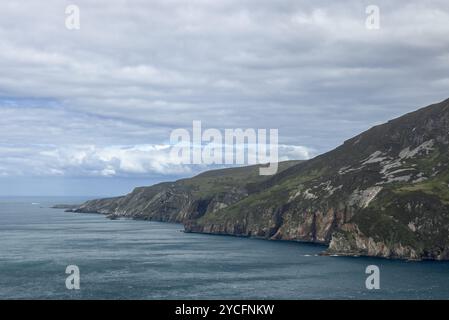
column 138, row 69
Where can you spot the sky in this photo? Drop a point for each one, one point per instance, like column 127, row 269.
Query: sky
column 89, row 111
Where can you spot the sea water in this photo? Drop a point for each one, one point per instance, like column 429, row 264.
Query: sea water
column 131, row 259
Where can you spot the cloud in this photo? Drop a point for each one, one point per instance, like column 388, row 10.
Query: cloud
column 86, row 102
column 109, row 161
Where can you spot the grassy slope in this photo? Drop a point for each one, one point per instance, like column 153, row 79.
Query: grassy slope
column 222, row 180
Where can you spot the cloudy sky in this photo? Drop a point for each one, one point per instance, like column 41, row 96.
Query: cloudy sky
column 90, row 111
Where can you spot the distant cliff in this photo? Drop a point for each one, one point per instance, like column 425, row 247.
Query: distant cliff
column 382, row 193
column 185, row 199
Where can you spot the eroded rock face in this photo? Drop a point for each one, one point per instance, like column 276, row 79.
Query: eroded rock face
column 183, row 200
column 350, row 241
column 161, row 203
column 166, row 204
column 383, row 193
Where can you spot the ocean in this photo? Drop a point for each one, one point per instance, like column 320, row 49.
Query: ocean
column 130, row 259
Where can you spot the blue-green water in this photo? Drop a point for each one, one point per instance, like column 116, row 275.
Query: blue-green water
column 127, row 259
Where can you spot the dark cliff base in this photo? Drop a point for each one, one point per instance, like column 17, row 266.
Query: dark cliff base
column 192, row 228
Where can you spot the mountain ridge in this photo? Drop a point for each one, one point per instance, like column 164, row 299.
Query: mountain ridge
column 382, row 193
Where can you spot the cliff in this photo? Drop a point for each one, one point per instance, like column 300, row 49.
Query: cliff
column 185, row 199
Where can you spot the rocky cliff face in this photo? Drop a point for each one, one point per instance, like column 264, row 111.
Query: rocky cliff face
column 382, row 193
column 183, row 200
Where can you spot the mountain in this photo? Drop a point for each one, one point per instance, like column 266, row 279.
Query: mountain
column 383, row 193
column 185, row 199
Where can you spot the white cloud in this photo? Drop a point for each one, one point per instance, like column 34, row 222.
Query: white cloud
column 91, row 160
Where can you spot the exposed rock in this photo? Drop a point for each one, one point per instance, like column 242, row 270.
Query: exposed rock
column 350, row 241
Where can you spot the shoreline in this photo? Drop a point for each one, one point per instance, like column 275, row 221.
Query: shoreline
column 324, row 253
